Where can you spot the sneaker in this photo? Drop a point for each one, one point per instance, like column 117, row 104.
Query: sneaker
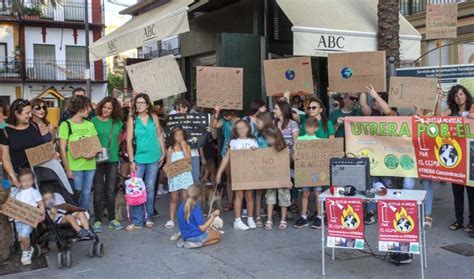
column 162, row 191
column 244, row 213
column 155, row 213
column 115, row 224
column 301, row 222
column 97, row 227
column 180, row 243
column 370, row 218
column 316, row 223
column 239, row 225
column 83, row 234
column 26, row 256
column 176, row 236
column 192, row 244
column 251, row 224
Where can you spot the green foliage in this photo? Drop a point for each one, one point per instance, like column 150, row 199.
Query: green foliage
column 115, row 81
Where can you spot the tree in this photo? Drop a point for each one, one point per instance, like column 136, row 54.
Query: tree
column 388, row 37
column 19, row 7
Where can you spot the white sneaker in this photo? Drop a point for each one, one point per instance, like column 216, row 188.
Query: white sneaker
column 239, row 225
column 244, row 213
column 251, row 224
column 162, row 191
column 26, row 256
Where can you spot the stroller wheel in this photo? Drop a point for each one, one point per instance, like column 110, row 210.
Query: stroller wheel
column 67, row 258
column 37, row 250
column 99, row 249
column 60, row 259
column 92, row 249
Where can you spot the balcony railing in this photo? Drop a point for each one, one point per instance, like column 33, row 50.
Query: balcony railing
column 410, row 7
column 68, row 10
column 10, row 69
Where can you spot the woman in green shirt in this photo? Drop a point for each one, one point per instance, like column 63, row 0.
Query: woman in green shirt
column 315, row 108
column 109, row 126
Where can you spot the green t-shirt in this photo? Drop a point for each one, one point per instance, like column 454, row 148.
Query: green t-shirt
column 340, row 133
column 320, row 133
column 3, row 125
column 308, row 137
column 79, row 131
column 103, row 131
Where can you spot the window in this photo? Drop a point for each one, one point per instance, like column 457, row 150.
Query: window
column 44, row 63
column 3, row 56
column 75, row 62
column 74, row 10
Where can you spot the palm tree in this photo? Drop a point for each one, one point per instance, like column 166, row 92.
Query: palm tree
column 388, row 38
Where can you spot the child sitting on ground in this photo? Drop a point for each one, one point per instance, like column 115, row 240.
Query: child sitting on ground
column 78, row 220
column 29, row 195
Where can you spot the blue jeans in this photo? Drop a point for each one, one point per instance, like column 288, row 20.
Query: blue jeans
column 386, row 181
column 83, row 182
column 147, row 172
column 196, row 164
column 409, row 184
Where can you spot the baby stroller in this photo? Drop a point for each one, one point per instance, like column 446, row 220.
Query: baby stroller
column 51, row 178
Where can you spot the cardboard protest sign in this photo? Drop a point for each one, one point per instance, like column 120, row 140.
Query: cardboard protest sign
column 69, row 207
column 195, row 125
column 345, row 222
column 85, row 146
column 218, row 86
column 159, row 78
column 22, row 212
column 441, row 21
column 289, row 74
column 263, row 168
column 177, row 167
column 406, row 92
column 352, row 72
column 40, row 154
column 312, row 160
column 398, row 226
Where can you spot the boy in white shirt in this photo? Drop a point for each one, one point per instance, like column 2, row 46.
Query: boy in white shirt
column 29, row 195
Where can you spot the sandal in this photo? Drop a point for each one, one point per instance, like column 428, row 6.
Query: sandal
column 268, row 225
column 170, row 224
column 228, row 207
column 283, row 225
column 258, row 222
column 149, row 224
column 428, row 222
column 455, row 226
column 469, row 228
column 132, row 227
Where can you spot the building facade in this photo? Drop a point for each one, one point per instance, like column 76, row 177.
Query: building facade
column 43, row 46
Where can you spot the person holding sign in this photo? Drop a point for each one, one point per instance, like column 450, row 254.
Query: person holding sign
column 18, row 136
column 40, row 118
column 350, row 101
column 109, row 126
column 241, row 139
column 379, row 104
column 315, row 109
column 76, row 128
column 146, row 151
column 178, row 184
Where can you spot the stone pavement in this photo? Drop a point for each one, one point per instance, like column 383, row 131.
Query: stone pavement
column 291, row 253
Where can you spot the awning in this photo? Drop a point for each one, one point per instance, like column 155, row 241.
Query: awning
column 162, row 22
column 322, row 26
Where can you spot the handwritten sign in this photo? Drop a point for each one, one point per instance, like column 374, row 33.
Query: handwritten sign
column 218, row 86
column 22, row 212
column 290, row 74
column 85, row 147
column 159, row 78
column 177, row 167
column 195, row 125
column 352, row 72
column 40, row 154
column 263, row 168
column 405, row 92
column 441, row 21
column 312, row 160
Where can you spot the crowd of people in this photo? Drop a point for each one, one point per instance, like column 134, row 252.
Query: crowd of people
column 132, row 132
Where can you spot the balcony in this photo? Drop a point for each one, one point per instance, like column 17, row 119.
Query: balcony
column 68, row 11
column 10, row 69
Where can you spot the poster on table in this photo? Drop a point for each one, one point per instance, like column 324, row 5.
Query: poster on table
column 312, row 160
column 159, row 78
column 177, row 167
column 22, row 212
column 436, row 148
column 406, row 92
column 441, row 21
column 262, row 168
column 345, row 223
column 289, row 74
column 196, row 126
column 398, row 226
column 352, row 72
column 219, row 86
column 40, row 154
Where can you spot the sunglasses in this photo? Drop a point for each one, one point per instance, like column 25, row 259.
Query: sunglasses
column 354, row 99
column 38, row 107
column 313, row 108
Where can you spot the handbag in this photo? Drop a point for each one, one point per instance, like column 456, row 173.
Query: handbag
column 103, row 156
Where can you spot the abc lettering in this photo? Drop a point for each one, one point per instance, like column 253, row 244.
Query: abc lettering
column 332, row 42
column 150, row 31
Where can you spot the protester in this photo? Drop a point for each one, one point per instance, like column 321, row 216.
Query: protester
column 193, row 228
column 297, row 105
column 241, row 139
column 29, row 195
column 350, row 101
column 78, row 91
column 283, row 121
column 80, row 170
column 275, row 140
column 316, row 109
column 146, row 151
column 109, row 126
column 178, row 185
column 226, row 123
column 18, row 136
column 40, row 118
column 255, row 107
column 3, row 113
column 210, row 154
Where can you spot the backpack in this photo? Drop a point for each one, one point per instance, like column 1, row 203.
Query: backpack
column 135, row 191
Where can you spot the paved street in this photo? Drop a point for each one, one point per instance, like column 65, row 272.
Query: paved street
column 258, row 254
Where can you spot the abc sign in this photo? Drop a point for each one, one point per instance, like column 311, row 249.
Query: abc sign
column 330, row 41
column 150, row 31
column 112, row 45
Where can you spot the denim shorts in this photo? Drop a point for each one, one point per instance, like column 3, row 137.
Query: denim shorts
column 202, row 238
column 23, row 229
